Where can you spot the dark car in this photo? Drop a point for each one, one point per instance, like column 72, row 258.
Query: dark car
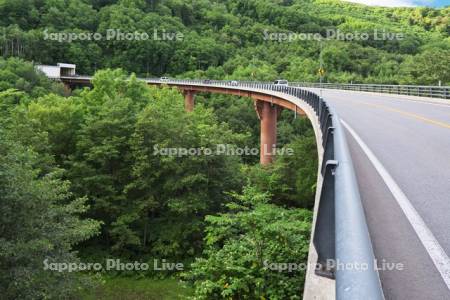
column 281, row 82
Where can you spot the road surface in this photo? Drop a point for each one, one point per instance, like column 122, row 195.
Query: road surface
column 401, row 154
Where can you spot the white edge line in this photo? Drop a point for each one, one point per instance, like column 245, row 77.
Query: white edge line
column 432, row 246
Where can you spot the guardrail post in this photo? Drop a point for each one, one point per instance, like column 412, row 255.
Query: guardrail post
column 328, row 146
column 326, row 121
column 320, row 107
column 324, row 232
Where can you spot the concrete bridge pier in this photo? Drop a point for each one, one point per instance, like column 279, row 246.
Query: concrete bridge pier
column 268, row 115
column 189, row 100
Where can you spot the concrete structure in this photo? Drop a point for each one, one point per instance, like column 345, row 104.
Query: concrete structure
column 67, row 69
column 58, row 71
column 267, row 106
column 52, row 72
column 268, row 114
column 399, row 147
column 189, row 100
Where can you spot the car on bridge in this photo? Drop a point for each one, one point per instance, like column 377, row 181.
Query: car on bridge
column 281, row 82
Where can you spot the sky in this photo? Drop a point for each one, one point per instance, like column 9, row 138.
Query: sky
column 395, row 3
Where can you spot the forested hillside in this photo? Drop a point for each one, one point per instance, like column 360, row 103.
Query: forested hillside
column 227, row 38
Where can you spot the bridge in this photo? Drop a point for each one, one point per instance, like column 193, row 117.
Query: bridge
column 383, row 188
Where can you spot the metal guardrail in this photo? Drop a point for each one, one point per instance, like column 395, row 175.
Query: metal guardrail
column 341, row 234
column 411, row 90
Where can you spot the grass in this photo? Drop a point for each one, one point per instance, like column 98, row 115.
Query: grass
column 129, row 288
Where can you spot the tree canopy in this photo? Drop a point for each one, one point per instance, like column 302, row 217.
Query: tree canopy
column 221, row 39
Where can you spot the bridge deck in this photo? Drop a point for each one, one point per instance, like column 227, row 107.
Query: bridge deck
column 411, row 139
column 401, row 152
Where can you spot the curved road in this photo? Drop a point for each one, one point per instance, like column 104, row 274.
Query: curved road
column 400, row 149
column 401, row 154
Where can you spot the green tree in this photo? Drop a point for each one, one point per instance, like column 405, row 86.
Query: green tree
column 291, row 179
column 18, row 74
column 241, row 246
column 60, row 118
column 177, row 191
column 428, row 67
column 40, row 220
column 100, row 167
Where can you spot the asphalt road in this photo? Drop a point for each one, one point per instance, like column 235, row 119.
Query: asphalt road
column 411, row 140
column 401, row 154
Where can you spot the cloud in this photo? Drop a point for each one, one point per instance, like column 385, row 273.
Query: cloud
column 389, row 3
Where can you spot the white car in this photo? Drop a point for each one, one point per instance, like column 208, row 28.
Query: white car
column 164, row 79
column 281, row 82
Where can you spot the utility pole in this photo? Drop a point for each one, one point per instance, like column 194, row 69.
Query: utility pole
column 321, row 70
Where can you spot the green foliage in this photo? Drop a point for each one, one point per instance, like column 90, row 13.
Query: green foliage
column 100, row 165
column 429, row 67
column 131, row 288
column 227, row 39
column 105, row 138
column 18, row 74
column 242, row 243
column 303, row 70
column 67, row 161
column 103, row 141
column 39, row 220
column 239, row 115
column 9, row 100
column 177, row 188
column 61, row 119
column 291, row 179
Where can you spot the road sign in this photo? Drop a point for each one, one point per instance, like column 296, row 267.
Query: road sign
column 321, row 71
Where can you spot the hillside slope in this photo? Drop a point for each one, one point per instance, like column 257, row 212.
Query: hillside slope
column 233, row 38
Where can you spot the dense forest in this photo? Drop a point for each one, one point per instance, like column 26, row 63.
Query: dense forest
column 229, row 38
column 79, row 181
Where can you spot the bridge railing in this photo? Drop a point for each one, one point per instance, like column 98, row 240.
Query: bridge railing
column 341, row 236
column 411, row 90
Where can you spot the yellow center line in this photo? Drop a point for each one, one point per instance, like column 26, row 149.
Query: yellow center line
column 405, row 113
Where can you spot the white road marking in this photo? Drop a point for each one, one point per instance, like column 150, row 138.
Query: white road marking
column 432, row 246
